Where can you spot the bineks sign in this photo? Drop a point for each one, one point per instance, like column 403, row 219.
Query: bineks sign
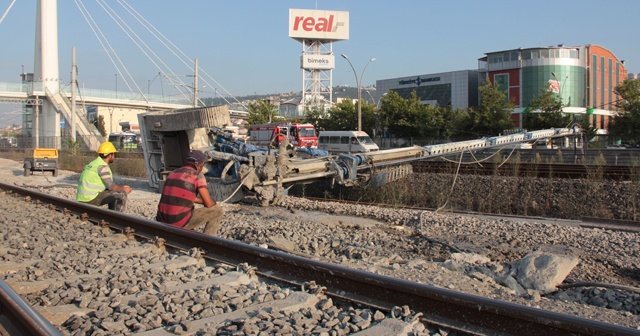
column 323, row 62
column 318, row 24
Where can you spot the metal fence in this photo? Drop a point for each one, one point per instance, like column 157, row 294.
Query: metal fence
column 58, row 142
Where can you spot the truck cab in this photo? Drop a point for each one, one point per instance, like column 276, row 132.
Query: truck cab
column 272, row 134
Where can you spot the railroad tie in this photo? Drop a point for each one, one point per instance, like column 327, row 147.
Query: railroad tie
column 232, row 279
column 388, row 327
column 12, row 267
column 180, row 262
column 137, row 250
column 59, row 314
column 293, row 302
column 29, row 287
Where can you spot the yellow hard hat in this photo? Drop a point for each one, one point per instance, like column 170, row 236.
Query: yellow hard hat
column 106, row 148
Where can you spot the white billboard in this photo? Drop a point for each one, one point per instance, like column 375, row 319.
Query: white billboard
column 318, row 24
column 322, row 62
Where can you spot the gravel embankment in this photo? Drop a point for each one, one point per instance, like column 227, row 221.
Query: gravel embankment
column 413, row 245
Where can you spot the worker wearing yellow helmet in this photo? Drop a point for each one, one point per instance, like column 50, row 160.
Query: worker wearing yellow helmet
column 96, row 184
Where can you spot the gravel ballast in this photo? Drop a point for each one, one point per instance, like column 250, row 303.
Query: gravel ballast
column 416, row 245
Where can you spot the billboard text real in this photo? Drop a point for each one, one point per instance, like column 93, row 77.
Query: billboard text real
column 318, row 24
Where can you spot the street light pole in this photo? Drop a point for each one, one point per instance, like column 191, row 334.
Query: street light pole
column 359, row 83
column 575, row 136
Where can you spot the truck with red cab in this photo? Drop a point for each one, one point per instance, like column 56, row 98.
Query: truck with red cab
column 272, row 134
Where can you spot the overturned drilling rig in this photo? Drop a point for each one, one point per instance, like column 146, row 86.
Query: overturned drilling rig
column 237, row 169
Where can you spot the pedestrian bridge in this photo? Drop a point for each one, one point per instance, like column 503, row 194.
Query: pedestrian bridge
column 33, row 93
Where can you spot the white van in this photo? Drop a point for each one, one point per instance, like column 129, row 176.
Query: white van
column 346, row 142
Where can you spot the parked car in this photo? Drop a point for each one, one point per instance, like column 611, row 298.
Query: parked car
column 8, row 142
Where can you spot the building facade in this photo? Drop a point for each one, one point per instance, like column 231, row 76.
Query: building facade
column 583, row 77
column 458, row 89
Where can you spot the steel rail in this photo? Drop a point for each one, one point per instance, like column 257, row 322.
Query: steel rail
column 17, row 317
column 464, row 312
column 586, row 222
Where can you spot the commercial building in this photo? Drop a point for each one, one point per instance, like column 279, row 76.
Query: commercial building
column 583, row 77
column 458, row 89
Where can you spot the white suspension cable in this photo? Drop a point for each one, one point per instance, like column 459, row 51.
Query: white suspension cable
column 7, row 11
column 152, row 30
column 160, row 37
column 102, row 4
column 98, row 33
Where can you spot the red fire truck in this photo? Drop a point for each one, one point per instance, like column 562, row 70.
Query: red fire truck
column 299, row 135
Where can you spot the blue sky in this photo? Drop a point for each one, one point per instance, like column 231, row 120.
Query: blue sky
column 244, row 44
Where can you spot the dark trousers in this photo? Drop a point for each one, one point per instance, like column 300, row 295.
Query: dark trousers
column 116, row 199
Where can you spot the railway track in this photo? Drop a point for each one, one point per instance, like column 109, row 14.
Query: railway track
column 542, row 170
column 587, row 222
column 91, row 269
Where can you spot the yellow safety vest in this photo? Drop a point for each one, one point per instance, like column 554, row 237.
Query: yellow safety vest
column 90, row 184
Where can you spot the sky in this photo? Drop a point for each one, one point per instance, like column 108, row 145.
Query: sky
column 243, row 47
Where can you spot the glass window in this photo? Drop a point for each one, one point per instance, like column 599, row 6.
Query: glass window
column 323, row 139
column 365, row 140
column 526, row 54
column 573, row 53
column 610, row 89
column 307, row 132
column 514, row 56
column 344, row 140
column 334, row 139
column 602, row 82
column 544, row 53
column 594, row 84
column 502, row 83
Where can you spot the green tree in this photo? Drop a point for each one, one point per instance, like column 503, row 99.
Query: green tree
column 342, row 116
column 411, row 118
column 315, row 114
column 589, row 132
column 549, row 112
column 400, row 115
column 369, row 118
column 493, row 115
column 262, row 112
column 626, row 124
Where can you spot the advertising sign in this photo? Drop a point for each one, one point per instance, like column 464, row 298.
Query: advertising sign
column 318, row 24
column 554, row 86
column 322, row 62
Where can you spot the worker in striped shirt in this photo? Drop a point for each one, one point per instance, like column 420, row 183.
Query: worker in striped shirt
column 185, row 187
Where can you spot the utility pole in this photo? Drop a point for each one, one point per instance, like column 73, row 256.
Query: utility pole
column 73, row 94
column 35, row 128
column 195, row 84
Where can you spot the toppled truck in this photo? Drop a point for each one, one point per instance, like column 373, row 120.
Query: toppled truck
column 237, row 169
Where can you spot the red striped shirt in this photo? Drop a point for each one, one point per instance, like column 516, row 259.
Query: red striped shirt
column 178, row 194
